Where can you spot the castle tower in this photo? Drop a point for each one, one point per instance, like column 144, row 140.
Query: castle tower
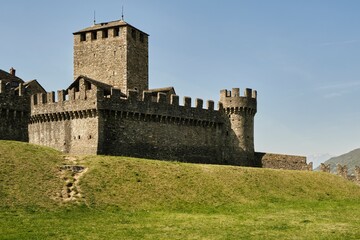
column 114, row 53
column 241, row 111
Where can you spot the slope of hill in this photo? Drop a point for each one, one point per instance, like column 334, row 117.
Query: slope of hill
column 351, row 159
column 28, row 175
column 128, row 198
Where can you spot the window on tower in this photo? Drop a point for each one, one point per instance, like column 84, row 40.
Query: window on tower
column 105, row 33
column 83, row 37
column 116, row 32
column 133, row 34
column 93, row 35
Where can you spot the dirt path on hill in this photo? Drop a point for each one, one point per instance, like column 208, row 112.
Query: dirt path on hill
column 71, row 173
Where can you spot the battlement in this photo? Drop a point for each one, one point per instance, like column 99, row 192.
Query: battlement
column 235, row 92
column 14, row 113
column 108, row 30
column 87, row 100
column 235, row 103
column 11, row 91
column 342, row 171
column 72, row 96
column 174, row 100
column 13, row 100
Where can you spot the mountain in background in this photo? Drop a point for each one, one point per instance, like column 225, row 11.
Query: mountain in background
column 351, row 159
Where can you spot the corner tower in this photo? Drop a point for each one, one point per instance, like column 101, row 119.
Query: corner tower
column 114, row 53
column 241, row 111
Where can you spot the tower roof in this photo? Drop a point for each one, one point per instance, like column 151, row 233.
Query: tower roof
column 104, row 25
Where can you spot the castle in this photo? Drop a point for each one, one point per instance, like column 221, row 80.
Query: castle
column 109, row 109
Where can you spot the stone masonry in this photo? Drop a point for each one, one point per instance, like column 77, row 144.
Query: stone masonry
column 115, row 53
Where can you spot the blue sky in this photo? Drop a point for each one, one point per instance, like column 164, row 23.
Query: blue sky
column 302, row 57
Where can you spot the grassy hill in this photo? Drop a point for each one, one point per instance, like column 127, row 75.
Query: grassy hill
column 127, row 198
column 351, row 159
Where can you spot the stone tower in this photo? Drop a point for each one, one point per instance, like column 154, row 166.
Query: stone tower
column 114, row 53
column 241, row 111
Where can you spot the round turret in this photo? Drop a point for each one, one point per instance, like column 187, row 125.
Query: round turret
column 241, row 111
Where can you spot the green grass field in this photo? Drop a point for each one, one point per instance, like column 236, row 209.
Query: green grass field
column 128, row 198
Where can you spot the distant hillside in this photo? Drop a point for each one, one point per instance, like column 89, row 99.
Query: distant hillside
column 351, row 159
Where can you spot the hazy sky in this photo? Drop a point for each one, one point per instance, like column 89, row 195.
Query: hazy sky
column 302, row 57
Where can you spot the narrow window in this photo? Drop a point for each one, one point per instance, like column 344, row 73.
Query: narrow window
column 83, row 37
column 141, row 37
column 116, row 32
column 133, row 34
column 105, row 33
column 93, row 35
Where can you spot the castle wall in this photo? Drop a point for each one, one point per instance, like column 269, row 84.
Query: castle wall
column 163, row 130
column 282, row 161
column 86, row 119
column 130, row 136
column 70, row 124
column 75, row 136
column 14, row 115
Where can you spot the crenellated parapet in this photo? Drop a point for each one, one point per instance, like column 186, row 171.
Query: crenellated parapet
column 342, row 170
column 163, row 109
column 235, row 103
column 357, row 173
column 75, row 102
column 13, row 103
column 325, row 167
column 85, row 100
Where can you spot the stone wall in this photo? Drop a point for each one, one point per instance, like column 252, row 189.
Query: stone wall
column 86, row 119
column 14, row 115
column 70, row 124
column 156, row 138
column 325, row 167
column 342, row 171
column 164, row 129
column 281, row 161
column 73, row 135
